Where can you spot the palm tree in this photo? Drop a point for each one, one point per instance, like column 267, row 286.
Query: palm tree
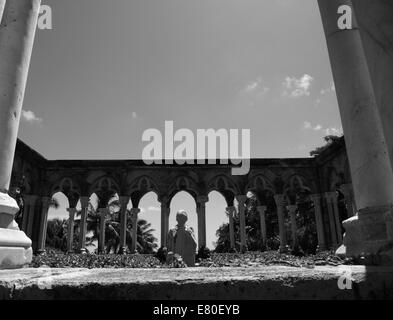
column 56, row 234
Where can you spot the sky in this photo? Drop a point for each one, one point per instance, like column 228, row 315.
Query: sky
column 109, row 70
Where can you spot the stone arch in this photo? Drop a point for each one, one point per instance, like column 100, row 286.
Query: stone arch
column 262, row 187
column 105, row 188
column 184, row 183
column 69, row 188
column 141, row 186
column 296, row 188
column 225, row 186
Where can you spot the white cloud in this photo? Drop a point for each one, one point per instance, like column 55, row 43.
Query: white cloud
column 307, row 125
column 30, row 117
column 328, row 90
column 317, row 127
column 151, row 208
column 256, row 87
column 134, row 115
column 334, row 131
column 296, row 88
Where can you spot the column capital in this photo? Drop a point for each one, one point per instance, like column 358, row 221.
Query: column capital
column 241, row 198
column 124, row 200
column 135, row 211
column 46, row 201
column 315, row 196
column 280, row 199
column 202, row 199
column 292, row 207
column 166, row 210
column 262, row 208
column 72, row 210
column 84, row 201
column 230, row 209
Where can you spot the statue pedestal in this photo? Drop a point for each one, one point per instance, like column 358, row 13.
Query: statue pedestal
column 15, row 246
column 369, row 234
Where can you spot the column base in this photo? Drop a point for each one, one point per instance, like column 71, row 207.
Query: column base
column 369, row 234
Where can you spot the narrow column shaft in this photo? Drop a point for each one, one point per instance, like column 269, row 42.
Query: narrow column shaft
column 165, row 211
column 43, row 224
column 347, row 191
column 201, row 212
column 334, row 200
column 30, row 222
column 241, row 200
column 316, row 198
column 292, row 213
column 83, row 224
column 134, row 215
column 332, row 223
column 101, row 240
column 124, row 200
column 262, row 217
column 280, row 203
column 70, row 231
column 230, row 211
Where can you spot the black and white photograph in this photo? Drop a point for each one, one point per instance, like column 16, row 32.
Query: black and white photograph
column 212, row 153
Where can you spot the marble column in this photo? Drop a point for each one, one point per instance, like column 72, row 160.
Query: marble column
column 280, row 203
column 101, row 239
column 316, row 198
column 370, row 166
column 347, row 191
column 332, row 223
column 70, row 231
column 134, row 216
column 17, row 31
column 241, row 200
column 334, row 201
column 201, row 212
column 165, row 211
column 124, row 200
column 231, row 211
column 45, row 203
column 30, row 221
column 292, row 214
column 262, row 218
column 83, row 224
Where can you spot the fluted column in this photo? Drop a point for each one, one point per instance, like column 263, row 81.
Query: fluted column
column 292, row 214
column 30, row 222
column 241, row 200
column 165, row 211
column 101, row 240
column 316, row 198
column 332, row 223
column 371, row 171
column 280, row 203
column 231, row 211
column 124, row 200
column 45, row 203
column 201, row 212
column 134, row 216
column 347, row 191
column 262, row 218
column 83, row 224
column 70, row 231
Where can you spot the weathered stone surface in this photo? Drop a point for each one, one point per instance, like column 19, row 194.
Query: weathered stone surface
column 196, row 283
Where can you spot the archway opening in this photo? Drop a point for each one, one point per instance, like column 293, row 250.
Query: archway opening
column 216, row 218
column 150, row 220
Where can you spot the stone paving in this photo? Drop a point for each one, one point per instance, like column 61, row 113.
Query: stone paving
column 273, row 282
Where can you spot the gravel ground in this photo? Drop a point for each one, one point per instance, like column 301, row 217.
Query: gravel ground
column 250, row 259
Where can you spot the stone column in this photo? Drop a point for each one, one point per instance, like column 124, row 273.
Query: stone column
column 262, row 217
column 201, row 212
column 280, row 203
column 70, row 231
column 134, row 215
column 332, row 223
column 230, row 211
column 101, row 240
column 165, row 211
column 334, row 203
column 124, row 200
column 316, row 198
column 2, row 4
column 372, row 176
column 347, row 191
column 30, row 222
column 292, row 214
column 17, row 30
column 83, row 224
column 45, row 203
column 241, row 200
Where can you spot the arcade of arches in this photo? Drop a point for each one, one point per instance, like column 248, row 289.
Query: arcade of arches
column 324, row 181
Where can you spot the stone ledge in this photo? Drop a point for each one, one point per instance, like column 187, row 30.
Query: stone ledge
column 196, row 283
